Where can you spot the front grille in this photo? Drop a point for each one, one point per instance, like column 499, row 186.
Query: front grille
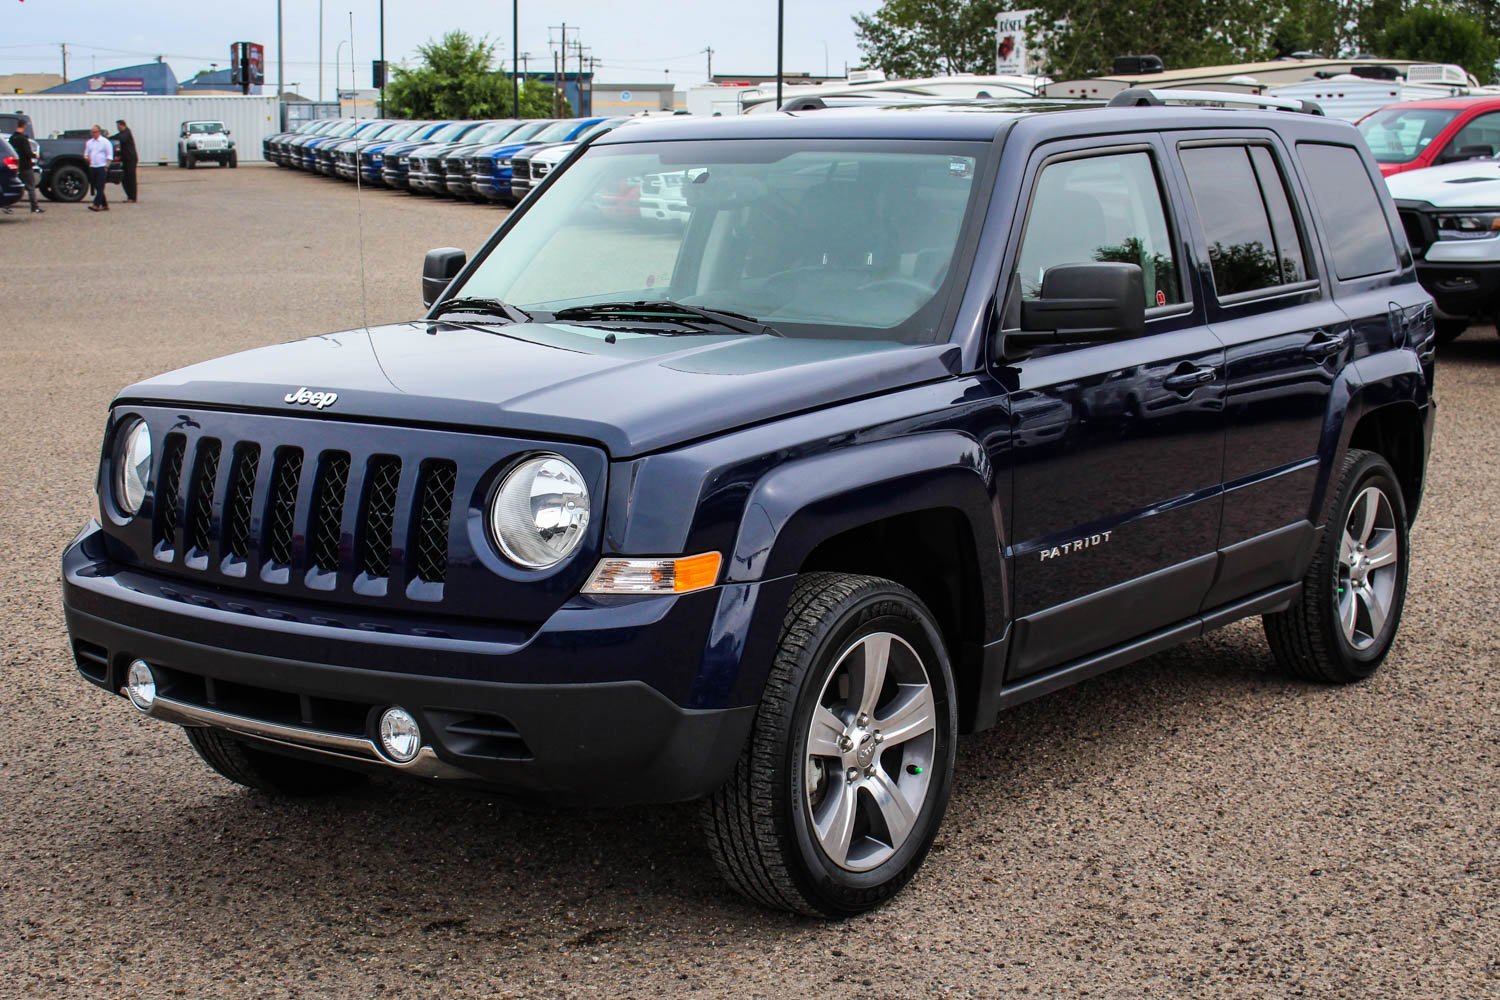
column 316, row 516
column 434, row 510
column 1420, row 232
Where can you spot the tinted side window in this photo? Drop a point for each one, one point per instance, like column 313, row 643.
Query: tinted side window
column 1100, row 209
column 1351, row 213
column 1482, row 131
column 1247, row 219
column 1273, row 190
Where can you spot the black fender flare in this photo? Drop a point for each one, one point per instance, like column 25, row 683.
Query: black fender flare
column 799, row 504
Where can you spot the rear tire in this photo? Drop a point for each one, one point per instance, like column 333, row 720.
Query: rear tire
column 181, row 160
column 1342, row 625
column 192, row 163
column 267, row 772
column 844, row 780
column 69, row 183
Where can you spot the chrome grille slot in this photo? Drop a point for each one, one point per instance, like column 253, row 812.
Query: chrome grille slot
column 201, row 497
column 282, row 508
column 328, row 510
column 168, row 495
column 240, row 500
column 431, row 530
column 379, row 519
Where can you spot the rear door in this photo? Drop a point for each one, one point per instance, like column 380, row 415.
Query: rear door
column 1269, row 302
column 1117, row 448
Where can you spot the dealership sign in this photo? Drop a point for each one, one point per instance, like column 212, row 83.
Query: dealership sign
column 117, row 85
column 247, row 64
column 1010, row 43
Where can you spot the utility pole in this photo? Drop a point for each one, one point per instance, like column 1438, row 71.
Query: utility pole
column 65, row 61
column 710, row 51
column 280, row 54
column 559, row 66
column 579, row 111
column 780, row 23
column 383, row 68
column 320, row 52
column 556, row 90
column 515, row 55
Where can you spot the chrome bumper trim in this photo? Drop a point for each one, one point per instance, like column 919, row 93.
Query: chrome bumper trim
column 426, row 764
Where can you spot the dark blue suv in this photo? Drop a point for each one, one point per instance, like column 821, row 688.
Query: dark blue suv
column 918, row 415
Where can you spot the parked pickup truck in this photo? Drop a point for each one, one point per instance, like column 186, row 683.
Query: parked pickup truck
column 1452, row 219
column 916, row 416
column 62, row 171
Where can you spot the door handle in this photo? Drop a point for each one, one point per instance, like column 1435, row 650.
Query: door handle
column 1189, row 380
column 1323, row 346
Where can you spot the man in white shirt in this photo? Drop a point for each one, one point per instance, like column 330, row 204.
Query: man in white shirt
column 99, row 151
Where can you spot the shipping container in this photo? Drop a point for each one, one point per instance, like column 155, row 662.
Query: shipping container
column 155, row 121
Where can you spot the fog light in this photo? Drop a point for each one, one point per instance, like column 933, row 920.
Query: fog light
column 400, row 737
column 140, row 685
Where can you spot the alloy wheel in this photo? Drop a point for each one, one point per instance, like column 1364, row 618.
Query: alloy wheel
column 870, row 749
column 1368, row 568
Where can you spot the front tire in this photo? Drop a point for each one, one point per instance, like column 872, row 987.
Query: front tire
column 234, row 160
column 842, row 785
column 1342, row 626
column 267, row 772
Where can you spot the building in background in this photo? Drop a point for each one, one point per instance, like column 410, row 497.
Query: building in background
column 614, row 99
column 28, row 83
column 153, row 78
column 214, row 81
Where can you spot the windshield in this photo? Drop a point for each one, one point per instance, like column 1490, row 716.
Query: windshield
column 1398, row 135
column 448, row 132
column 526, row 131
column 824, row 239
column 598, row 127
column 557, row 132
column 205, row 128
column 490, row 133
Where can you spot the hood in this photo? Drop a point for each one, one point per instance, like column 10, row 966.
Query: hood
column 1470, row 184
column 552, row 380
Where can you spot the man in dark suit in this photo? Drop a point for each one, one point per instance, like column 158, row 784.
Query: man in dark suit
column 125, row 143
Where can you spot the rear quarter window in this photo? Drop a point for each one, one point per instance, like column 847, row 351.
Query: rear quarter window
column 1349, row 209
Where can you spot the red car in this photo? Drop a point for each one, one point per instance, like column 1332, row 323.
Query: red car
column 1417, row 134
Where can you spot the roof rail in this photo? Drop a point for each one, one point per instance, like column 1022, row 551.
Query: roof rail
column 1139, row 97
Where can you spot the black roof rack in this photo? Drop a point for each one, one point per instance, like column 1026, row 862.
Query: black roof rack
column 1142, row 97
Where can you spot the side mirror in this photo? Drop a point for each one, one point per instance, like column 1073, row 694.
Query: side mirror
column 439, row 268
column 1084, row 304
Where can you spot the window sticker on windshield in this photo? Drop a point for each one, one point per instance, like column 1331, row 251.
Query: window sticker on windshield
column 960, row 166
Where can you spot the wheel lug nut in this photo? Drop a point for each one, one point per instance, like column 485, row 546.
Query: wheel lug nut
column 878, row 737
column 853, row 774
column 845, row 743
column 863, row 719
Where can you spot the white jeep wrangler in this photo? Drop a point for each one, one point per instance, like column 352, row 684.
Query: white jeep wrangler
column 205, row 141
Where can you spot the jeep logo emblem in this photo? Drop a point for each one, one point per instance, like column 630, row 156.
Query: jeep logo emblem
column 307, row 397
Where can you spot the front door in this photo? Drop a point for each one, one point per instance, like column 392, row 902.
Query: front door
column 1117, row 448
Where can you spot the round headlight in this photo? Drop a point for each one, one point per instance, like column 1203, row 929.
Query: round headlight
column 132, row 465
column 540, row 512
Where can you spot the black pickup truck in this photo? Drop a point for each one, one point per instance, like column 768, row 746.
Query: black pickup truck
column 920, row 414
column 62, row 170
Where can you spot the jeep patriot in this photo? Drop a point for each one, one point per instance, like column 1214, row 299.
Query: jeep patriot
column 920, row 414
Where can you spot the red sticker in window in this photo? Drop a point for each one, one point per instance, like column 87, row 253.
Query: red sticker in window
column 1161, row 297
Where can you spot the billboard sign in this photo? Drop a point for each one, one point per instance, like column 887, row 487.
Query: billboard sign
column 247, row 58
column 1010, row 43
column 117, row 85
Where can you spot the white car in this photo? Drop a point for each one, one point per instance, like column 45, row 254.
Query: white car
column 205, row 140
column 1451, row 215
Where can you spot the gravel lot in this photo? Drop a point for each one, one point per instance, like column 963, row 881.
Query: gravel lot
column 1189, row 826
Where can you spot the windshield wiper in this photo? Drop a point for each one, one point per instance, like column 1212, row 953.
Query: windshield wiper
column 738, row 322
column 482, row 307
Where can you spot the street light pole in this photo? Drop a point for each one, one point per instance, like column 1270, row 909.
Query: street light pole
column 320, row 52
column 780, row 23
column 382, row 58
column 338, row 51
column 515, row 56
column 280, row 55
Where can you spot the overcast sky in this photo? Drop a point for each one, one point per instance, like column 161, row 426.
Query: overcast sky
column 637, row 40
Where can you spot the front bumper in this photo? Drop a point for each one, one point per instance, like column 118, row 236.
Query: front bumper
column 622, row 723
column 1462, row 288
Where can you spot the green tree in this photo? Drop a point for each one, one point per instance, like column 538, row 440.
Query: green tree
column 913, row 38
column 457, row 79
column 1442, row 34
